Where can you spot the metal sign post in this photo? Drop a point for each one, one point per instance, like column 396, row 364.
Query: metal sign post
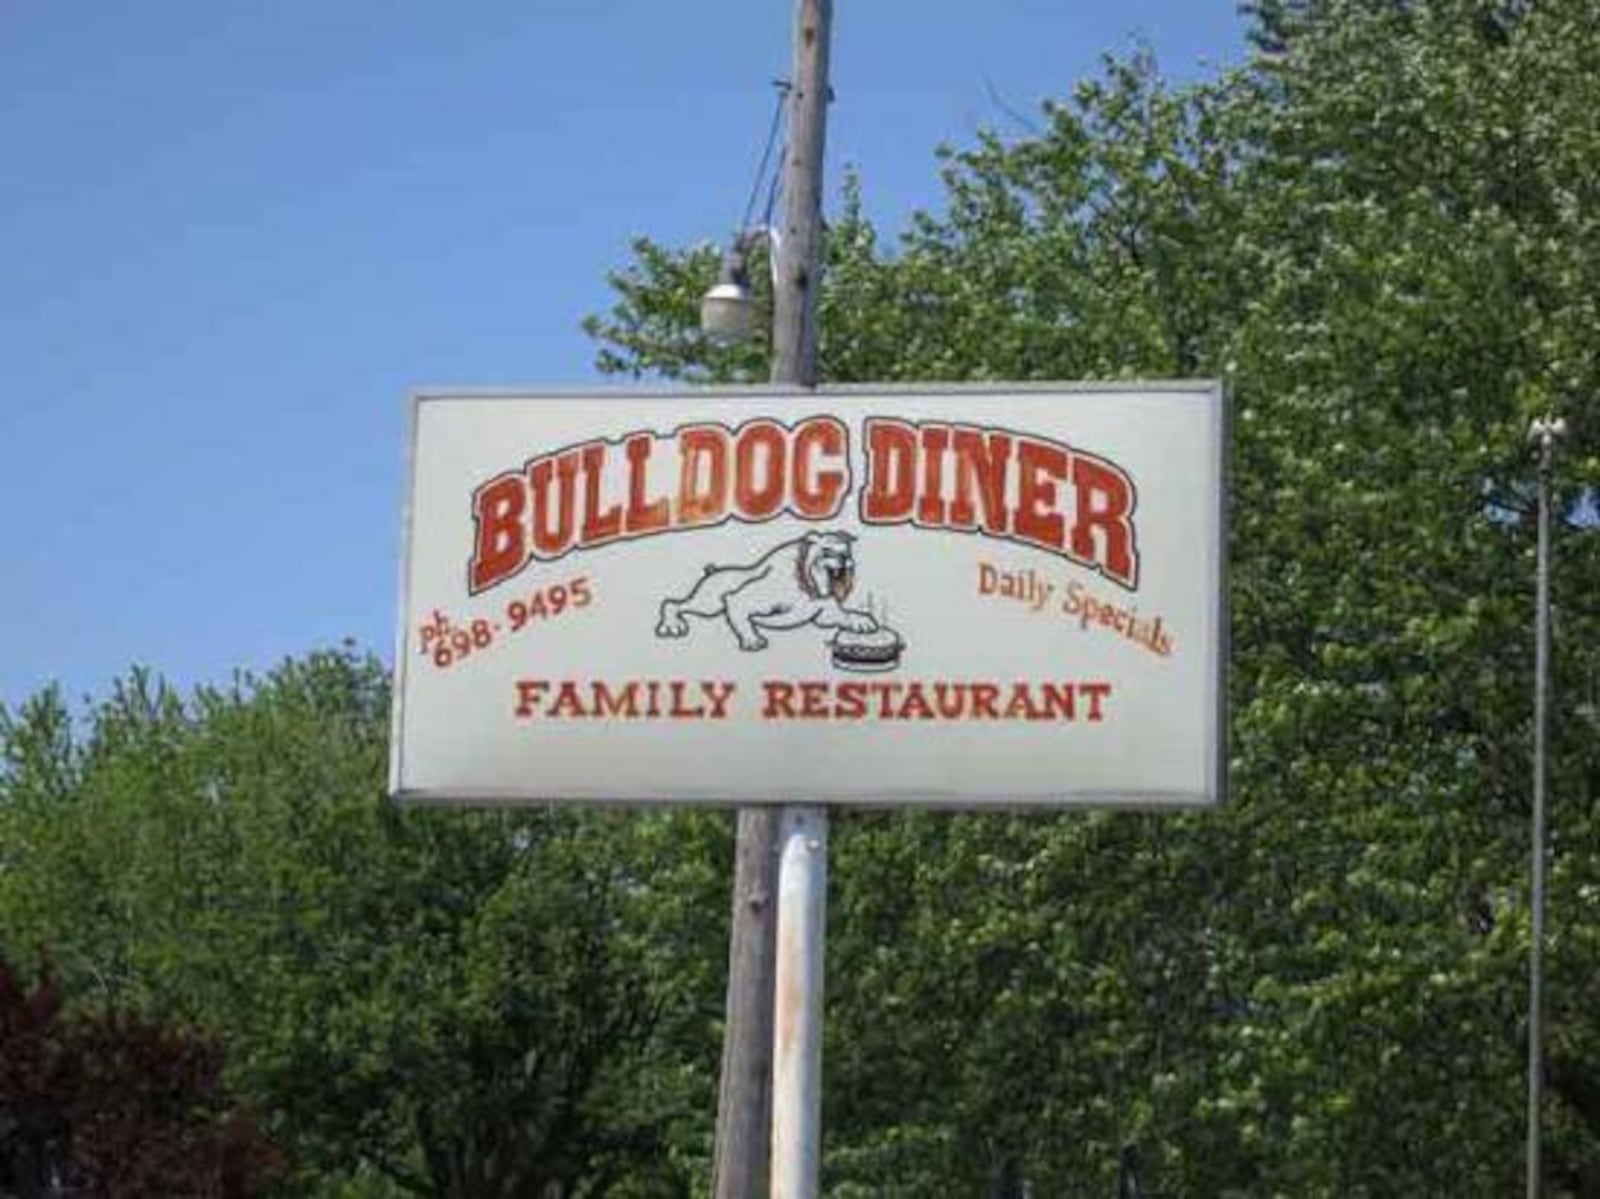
column 797, row 1053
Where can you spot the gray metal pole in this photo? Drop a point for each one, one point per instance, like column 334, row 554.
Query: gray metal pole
column 746, row 1105
column 803, row 854
column 1544, row 432
column 797, row 1058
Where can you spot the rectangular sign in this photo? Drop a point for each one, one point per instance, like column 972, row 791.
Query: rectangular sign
column 926, row 595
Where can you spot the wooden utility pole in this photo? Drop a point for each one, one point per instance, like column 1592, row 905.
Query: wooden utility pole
column 798, row 280
column 743, row 1166
column 744, row 1099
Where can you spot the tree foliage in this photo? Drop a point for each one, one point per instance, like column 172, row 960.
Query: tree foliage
column 111, row 1106
column 1381, row 231
column 422, row 1002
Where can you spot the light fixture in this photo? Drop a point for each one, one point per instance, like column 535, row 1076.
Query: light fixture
column 728, row 312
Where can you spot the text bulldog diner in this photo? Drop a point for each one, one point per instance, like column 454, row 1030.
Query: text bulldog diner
column 929, row 475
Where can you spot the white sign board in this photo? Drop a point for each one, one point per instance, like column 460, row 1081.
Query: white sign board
column 927, row 595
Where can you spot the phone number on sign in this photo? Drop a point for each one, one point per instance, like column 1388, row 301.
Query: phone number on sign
column 445, row 642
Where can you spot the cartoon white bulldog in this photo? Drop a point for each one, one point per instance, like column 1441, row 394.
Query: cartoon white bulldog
column 801, row 582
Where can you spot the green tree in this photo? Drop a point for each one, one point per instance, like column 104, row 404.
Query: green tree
column 419, row 1001
column 1381, row 231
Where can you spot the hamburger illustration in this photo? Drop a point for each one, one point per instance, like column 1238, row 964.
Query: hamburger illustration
column 868, row 653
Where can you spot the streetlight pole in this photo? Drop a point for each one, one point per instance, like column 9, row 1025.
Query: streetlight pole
column 770, row 1102
column 744, row 1097
column 1544, row 432
column 798, row 278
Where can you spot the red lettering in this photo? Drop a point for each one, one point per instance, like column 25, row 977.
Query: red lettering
column 981, row 462
column 930, row 506
column 1040, row 466
column 553, row 540
column 1059, row 701
column 704, row 447
column 779, row 701
column 530, row 697
column 852, row 701
column 952, row 700
column 885, row 693
column 891, row 474
column 1096, row 692
column 1104, row 502
column 1021, row 705
column 813, row 700
column 719, row 694
column 936, row 475
column 643, row 517
column 598, row 526
column 916, row 705
column 758, row 491
column 568, row 702
column 817, row 491
column 985, row 697
column 623, row 702
column 500, row 547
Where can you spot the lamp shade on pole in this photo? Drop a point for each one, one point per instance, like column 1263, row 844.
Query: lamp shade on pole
column 728, row 312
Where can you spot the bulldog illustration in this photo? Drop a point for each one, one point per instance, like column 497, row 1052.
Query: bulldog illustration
column 801, row 582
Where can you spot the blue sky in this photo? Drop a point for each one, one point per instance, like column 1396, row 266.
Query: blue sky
column 235, row 236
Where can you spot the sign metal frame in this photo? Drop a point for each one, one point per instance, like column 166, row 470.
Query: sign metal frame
column 1212, row 392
